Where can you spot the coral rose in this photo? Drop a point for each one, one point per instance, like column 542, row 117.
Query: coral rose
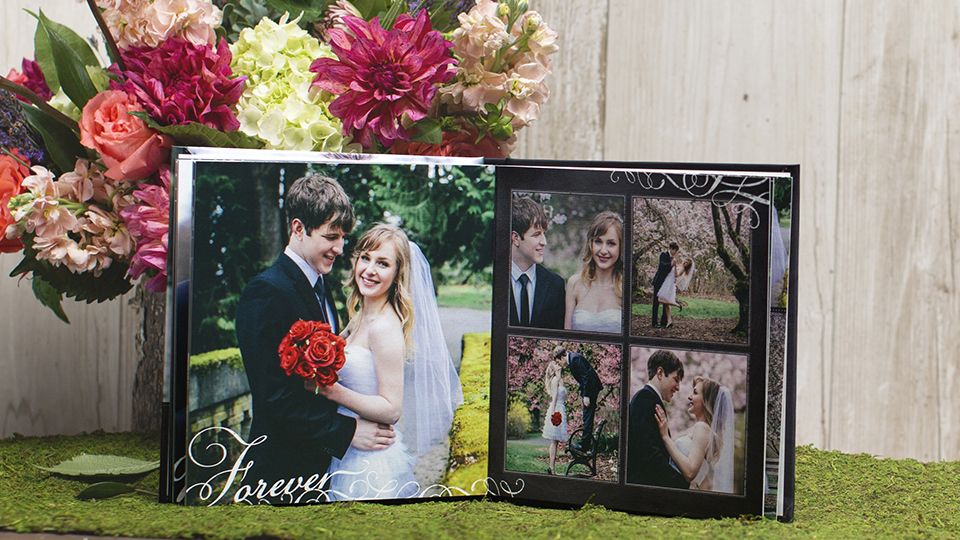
column 12, row 173
column 129, row 148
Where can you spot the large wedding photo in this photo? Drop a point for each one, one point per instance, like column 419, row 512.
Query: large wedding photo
column 340, row 324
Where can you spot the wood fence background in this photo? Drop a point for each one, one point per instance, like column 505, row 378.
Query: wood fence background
column 864, row 94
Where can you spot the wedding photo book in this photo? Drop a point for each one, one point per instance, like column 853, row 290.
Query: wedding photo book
column 350, row 327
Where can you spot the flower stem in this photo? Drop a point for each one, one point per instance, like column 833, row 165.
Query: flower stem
column 25, row 92
column 107, row 36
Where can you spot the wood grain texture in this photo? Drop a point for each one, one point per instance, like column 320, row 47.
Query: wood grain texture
column 59, row 378
column 738, row 81
column 897, row 326
column 571, row 124
column 863, row 94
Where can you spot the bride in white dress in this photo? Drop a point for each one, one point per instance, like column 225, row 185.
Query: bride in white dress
column 704, row 454
column 594, row 295
column 678, row 279
column 397, row 368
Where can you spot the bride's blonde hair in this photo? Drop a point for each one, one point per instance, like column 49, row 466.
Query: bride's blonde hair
column 709, row 392
column 552, row 371
column 398, row 296
column 602, row 223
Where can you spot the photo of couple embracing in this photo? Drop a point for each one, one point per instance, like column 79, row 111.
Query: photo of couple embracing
column 350, row 429
column 348, row 245
column 586, row 233
column 686, row 420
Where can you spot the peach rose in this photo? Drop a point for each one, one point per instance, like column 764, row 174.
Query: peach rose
column 12, row 174
column 130, row 149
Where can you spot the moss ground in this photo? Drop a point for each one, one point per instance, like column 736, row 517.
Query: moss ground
column 838, row 496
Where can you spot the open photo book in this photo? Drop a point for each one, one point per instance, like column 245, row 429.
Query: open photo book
column 404, row 328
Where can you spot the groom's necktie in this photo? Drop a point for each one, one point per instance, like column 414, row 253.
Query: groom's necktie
column 322, row 297
column 524, row 301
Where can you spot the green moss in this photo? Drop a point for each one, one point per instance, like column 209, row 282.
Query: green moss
column 212, row 359
column 838, row 496
column 468, row 437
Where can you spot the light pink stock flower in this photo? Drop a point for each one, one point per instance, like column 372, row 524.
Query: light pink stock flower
column 147, row 222
column 148, row 23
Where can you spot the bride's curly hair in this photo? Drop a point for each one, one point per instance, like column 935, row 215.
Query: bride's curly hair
column 602, row 223
column 398, row 296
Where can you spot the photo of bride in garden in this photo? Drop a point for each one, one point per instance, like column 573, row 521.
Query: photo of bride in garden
column 691, row 271
column 563, row 410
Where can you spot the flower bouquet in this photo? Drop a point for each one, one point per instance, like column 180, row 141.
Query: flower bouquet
column 85, row 145
column 556, row 418
column 312, row 352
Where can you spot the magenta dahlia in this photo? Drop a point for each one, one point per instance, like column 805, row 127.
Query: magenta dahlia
column 31, row 77
column 384, row 78
column 180, row 82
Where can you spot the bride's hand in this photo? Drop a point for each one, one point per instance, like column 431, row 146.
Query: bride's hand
column 325, row 391
column 661, row 417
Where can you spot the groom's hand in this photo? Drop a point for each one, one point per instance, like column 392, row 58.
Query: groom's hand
column 372, row 436
column 586, row 401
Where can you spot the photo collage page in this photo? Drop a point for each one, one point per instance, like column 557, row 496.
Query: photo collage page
column 628, row 309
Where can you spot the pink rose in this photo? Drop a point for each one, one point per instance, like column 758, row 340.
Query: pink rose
column 129, row 148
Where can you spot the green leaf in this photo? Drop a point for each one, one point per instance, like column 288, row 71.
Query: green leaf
column 71, row 68
column 50, row 297
column 44, row 56
column 371, row 8
column 61, row 143
column 194, row 134
column 77, row 44
column 311, row 9
column 390, row 17
column 105, row 490
column 429, row 131
column 90, row 465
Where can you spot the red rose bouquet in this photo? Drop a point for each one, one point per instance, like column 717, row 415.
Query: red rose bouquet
column 312, row 351
column 556, row 418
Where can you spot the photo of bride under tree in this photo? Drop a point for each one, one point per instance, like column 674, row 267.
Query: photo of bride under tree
column 691, row 272
column 563, row 410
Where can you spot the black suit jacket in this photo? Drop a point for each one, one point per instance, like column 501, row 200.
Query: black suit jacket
column 586, row 377
column 303, row 430
column 549, row 301
column 647, row 459
column 663, row 269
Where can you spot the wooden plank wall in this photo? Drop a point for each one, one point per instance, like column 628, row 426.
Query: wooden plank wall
column 863, row 94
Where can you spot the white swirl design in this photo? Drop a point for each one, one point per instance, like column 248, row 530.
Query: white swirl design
column 365, row 486
column 722, row 190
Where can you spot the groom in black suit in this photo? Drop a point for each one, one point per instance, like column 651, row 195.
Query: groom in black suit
column 537, row 295
column 647, row 459
column 302, row 430
column 590, row 387
column 663, row 270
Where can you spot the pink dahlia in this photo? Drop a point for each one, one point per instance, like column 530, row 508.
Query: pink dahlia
column 180, row 82
column 384, row 78
column 147, row 223
column 31, row 77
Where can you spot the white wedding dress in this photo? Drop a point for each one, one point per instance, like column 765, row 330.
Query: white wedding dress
column 607, row 320
column 550, row 431
column 704, row 477
column 667, row 293
column 369, row 474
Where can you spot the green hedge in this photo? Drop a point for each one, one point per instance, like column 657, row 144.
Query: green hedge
column 468, row 437
column 212, row 359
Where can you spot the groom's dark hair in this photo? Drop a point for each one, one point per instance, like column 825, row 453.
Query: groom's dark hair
column 666, row 360
column 674, row 246
column 526, row 213
column 316, row 199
